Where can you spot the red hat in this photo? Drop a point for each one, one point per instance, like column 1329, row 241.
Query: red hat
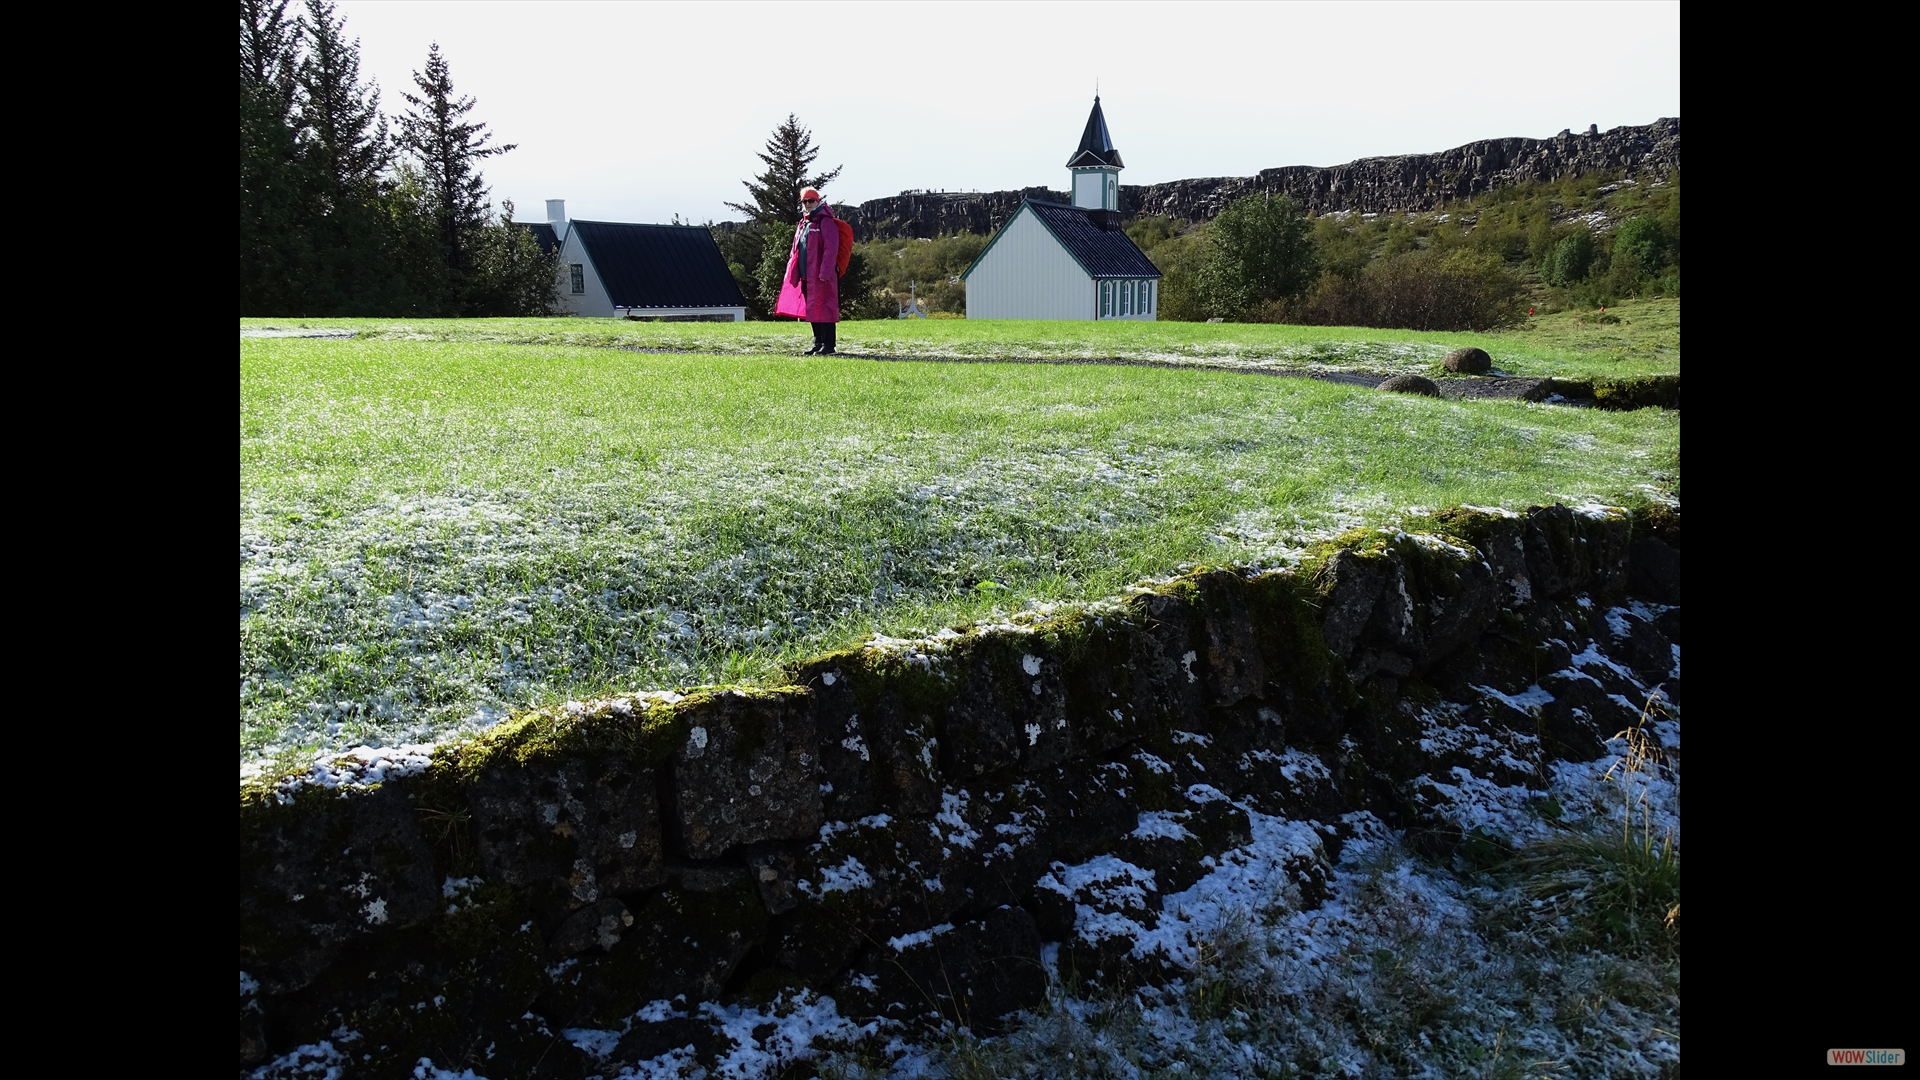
column 808, row 193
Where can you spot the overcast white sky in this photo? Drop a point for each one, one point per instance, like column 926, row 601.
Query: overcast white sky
column 635, row 112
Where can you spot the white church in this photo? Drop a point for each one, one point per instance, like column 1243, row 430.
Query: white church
column 1068, row 262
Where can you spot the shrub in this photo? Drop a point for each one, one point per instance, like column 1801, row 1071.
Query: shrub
column 861, row 297
column 1418, row 290
column 1570, row 259
column 1260, row 251
column 1179, row 260
column 1343, row 250
column 769, row 276
column 1642, row 240
column 1152, row 230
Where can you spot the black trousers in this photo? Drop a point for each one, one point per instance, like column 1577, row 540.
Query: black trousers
column 823, row 334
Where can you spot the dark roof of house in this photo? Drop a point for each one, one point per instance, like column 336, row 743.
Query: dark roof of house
column 1102, row 249
column 659, row 265
column 1096, row 146
column 543, row 234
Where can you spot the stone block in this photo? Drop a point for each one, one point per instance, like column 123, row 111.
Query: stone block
column 747, row 771
column 1350, row 587
column 586, row 827
column 324, row 871
column 1235, row 668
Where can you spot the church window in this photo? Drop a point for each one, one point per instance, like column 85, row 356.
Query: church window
column 1126, row 298
column 578, row 272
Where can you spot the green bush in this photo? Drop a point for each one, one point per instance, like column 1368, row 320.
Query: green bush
column 1152, row 230
column 1641, row 239
column 1570, row 259
column 771, row 273
column 862, row 297
column 1260, row 251
column 1417, row 290
column 1179, row 259
column 927, row 268
column 1344, row 250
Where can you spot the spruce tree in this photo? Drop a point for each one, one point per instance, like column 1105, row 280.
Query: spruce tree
column 775, row 208
column 269, row 53
column 776, row 192
column 449, row 151
column 273, row 251
column 348, row 143
column 345, row 151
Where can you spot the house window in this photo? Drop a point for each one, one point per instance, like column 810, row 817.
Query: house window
column 578, row 272
column 1126, row 298
column 1146, row 298
column 1106, row 299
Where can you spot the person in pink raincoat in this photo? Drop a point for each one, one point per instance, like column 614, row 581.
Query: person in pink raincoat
column 813, row 272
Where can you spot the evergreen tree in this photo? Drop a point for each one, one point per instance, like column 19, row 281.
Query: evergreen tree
column 449, row 151
column 269, row 53
column 347, row 140
column 776, row 192
column 272, row 249
column 775, row 208
column 345, row 153
column 512, row 276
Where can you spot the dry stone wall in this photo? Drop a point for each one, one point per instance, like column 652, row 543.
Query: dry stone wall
column 911, row 828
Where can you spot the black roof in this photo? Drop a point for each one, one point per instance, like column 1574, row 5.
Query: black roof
column 659, row 265
column 1104, row 250
column 543, row 234
column 1096, row 146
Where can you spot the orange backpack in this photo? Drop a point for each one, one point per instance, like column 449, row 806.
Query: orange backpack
column 846, row 246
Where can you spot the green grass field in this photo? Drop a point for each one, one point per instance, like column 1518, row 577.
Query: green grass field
column 1646, row 341
column 434, row 532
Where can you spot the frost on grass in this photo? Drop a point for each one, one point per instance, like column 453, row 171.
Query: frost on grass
column 1381, row 358
column 376, row 616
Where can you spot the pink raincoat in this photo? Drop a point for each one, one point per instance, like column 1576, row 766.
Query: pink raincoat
column 820, row 300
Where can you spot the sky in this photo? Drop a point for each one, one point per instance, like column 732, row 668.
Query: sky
column 638, row 112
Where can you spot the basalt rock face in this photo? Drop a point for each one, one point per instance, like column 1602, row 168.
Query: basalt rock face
column 921, row 215
column 909, row 829
column 1405, row 183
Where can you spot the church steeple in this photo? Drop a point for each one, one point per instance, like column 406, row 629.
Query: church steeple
column 1096, row 165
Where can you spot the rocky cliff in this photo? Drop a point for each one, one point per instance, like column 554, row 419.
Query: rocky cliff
column 1410, row 182
column 916, row 830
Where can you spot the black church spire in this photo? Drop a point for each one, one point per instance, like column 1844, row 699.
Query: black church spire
column 1096, row 146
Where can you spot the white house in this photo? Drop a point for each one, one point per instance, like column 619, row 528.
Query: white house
column 612, row 269
column 1068, row 262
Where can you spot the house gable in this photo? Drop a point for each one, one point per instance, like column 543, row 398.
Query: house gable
column 593, row 300
column 1026, row 273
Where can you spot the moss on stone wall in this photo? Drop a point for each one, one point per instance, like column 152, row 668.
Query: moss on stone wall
column 964, row 766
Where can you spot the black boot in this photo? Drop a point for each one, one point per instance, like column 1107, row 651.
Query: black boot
column 829, row 333
column 816, row 340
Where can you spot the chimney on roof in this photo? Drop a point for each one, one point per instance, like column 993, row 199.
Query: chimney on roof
column 557, row 217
